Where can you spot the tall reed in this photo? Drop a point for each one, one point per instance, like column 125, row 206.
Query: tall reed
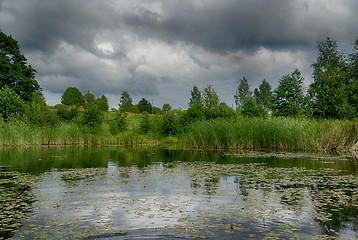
column 274, row 133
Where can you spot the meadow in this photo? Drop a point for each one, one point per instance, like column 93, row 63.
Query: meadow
column 272, row 133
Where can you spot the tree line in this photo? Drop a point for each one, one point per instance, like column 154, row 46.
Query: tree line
column 333, row 93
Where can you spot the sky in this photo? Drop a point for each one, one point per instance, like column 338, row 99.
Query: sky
column 160, row 49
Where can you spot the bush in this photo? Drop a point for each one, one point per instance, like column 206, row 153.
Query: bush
column 119, row 123
column 68, row 114
column 92, row 117
column 134, row 109
column 145, row 125
column 251, row 109
column 170, row 125
column 38, row 113
column 11, row 104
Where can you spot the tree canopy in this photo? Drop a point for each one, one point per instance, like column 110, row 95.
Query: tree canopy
column 211, row 98
column 196, row 98
column 125, row 102
column 144, row 106
column 14, row 71
column 288, row 96
column 328, row 91
column 72, row 96
column 243, row 92
column 263, row 95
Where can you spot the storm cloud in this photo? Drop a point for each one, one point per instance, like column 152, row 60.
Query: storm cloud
column 161, row 49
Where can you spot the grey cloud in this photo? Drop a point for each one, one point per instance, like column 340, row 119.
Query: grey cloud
column 149, row 46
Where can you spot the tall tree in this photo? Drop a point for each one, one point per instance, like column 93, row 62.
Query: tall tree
column 288, row 96
column 352, row 88
column 243, row 92
column 263, row 95
column 328, row 96
column 14, row 71
column 72, row 96
column 144, row 106
column 102, row 103
column 166, row 108
column 211, row 99
column 196, row 98
column 125, row 102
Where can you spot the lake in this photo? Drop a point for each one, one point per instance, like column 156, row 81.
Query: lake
column 154, row 192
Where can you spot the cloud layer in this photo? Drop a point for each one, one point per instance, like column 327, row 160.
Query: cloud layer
column 161, row 49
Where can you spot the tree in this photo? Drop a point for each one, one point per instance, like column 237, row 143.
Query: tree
column 14, row 71
column 352, row 88
column 144, row 106
column 166, row 108
column 244, row 92
column 89, row 98
column 102, row 103
column 72, row 96
column 288, row 96
column 328, row 98
column 125, row 102
column 11, row 103
column 263, row 95
column 211, row 99
column 195, row 97
column 92, row 117
column 250, row 108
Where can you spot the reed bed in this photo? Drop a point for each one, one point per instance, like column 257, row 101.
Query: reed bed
column 285, row 134
column 274, row 133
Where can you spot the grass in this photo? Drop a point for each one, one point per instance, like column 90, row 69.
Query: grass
column 275, row 133
column 241, row 133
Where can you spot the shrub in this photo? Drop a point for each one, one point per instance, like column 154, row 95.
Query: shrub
column 68, row 114
column 170, row 125
column 11, row 104
column 38, row 113
column 134, row 109
column 251, row 109
column 145, row 125
column 119, row 123
column 92, row 117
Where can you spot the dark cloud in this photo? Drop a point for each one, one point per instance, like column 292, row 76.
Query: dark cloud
column 153, row 47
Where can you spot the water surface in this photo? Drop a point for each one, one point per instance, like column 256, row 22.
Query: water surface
column 153, row 192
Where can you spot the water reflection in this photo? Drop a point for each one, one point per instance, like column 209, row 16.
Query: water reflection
column 94, row 191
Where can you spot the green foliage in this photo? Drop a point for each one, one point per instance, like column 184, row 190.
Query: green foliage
column 352, row 85
column 194, row 113
column 263, row 95
column 145, row 124
column 125, row 102
column 211, row 99
column 328, row 91
column 89, row 98
column 243, row 92
column 251, row 109
column 288, row 96
column 102, row 103
column 39, row 114
column 134, row 109
column 157, row 110
column 144, row 106
column 15, row 73
column 170, row 125
column 11, row 104
column 68, row 114
column 166, row 108
column 72, row 96
column 92, row 117
column 196, row 98
column 119, row 123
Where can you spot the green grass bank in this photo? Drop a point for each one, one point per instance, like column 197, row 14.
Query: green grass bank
column 284, row 134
